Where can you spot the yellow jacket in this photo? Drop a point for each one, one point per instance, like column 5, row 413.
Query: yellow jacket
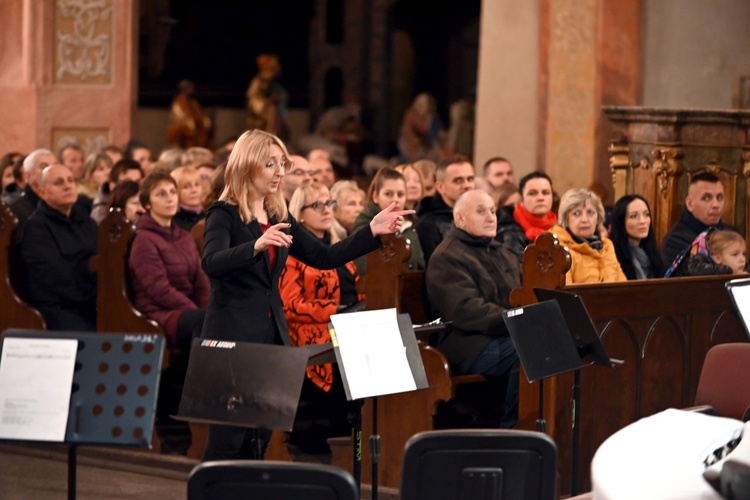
column 587, row 264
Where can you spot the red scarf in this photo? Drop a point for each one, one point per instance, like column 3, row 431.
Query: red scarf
column 532, row 225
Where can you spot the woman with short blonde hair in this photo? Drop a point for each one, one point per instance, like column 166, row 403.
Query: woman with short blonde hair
column 579, row 228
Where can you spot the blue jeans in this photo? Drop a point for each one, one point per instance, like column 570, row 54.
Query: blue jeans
column 499, row 360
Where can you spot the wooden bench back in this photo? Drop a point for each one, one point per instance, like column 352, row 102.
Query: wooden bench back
column 661, row 328
column 14, row 312
column 390, row 283
column 115, row 310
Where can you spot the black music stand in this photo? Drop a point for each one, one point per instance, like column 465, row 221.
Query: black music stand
column 414, row 359
column 114, row 393
column 551, row 340
column 243, row 384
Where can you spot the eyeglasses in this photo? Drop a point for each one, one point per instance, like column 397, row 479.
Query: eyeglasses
column 279, row 166
column 319, row 205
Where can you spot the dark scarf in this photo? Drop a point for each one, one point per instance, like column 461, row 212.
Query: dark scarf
column 594, row 241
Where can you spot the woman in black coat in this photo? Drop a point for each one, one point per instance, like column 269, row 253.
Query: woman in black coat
column 248, row 236
column 633, row 236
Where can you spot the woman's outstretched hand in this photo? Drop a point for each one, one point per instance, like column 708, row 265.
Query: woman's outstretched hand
column 274, row 236
column 388, row 220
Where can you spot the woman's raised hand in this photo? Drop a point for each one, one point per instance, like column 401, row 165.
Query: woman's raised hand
column 388, row 220
column 274, row 236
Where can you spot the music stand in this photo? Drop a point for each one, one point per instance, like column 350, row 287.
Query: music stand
column 243, row 384
column 543, row 336
column 114, row 393
column 348, row 366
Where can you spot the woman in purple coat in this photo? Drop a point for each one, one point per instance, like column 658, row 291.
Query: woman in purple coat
column 169, row 284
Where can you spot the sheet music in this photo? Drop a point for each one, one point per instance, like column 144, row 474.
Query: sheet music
column 373, row 353
column 36, row 377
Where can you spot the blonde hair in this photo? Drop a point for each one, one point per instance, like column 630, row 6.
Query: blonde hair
column 304, row 195
column 427, row 168
column 719, row 241
column 340, row 189
column 181, row 174
column 576, row 197
column 248, row 158
column 408, row 166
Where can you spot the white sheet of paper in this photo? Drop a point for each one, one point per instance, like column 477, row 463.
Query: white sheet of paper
column 373, row 353
column 36, row 377
column 742, row 299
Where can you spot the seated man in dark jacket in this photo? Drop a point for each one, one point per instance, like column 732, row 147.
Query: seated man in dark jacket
column 704, row 207
column 469, row 279
column 57, row 242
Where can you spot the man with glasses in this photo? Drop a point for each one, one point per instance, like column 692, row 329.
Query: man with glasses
column 298, row 172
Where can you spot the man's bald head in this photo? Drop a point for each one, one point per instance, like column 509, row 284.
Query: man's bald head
column 58, row 188
column 474, row 212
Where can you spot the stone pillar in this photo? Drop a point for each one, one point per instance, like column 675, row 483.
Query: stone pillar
column 67, row 73
column 593, row 58
column 546, row 68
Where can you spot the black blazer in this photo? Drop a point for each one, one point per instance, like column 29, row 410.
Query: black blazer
column 245, row 304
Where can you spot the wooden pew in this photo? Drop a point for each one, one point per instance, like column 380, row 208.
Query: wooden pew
column 662, row 328
column 115, row 310
column 14, row 312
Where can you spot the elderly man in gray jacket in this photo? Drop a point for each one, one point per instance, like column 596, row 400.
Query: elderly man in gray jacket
column 469, row 279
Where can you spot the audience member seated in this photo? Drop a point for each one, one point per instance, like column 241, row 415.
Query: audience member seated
column 190, row 195
column 469, row 279
column 454, row 176
column 311, row 295
column 298, row 173
column 519, row 226
column 206, row 171
column 169, row 285
column 389, row 186
column 123, row 169
column 197, row 155
column 321, row 167
column 580, row 219
column 113, row 152
column 71, row 155
column 140, row 152
column 498, row 171
column 717, row 251
column 704, row 206
column 13, row 190
column 33, row 165
column 632, row 234
column 57, row 242
column 169, row 159
column 414, row 185
column 125, row 197
column 95, row 173
column 6, row 168
column 350, row 201
column 427, row 168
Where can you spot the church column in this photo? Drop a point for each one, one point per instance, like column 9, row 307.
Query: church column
column 545, row 71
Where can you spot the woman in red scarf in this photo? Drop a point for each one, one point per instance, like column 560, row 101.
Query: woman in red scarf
column 533, row 215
